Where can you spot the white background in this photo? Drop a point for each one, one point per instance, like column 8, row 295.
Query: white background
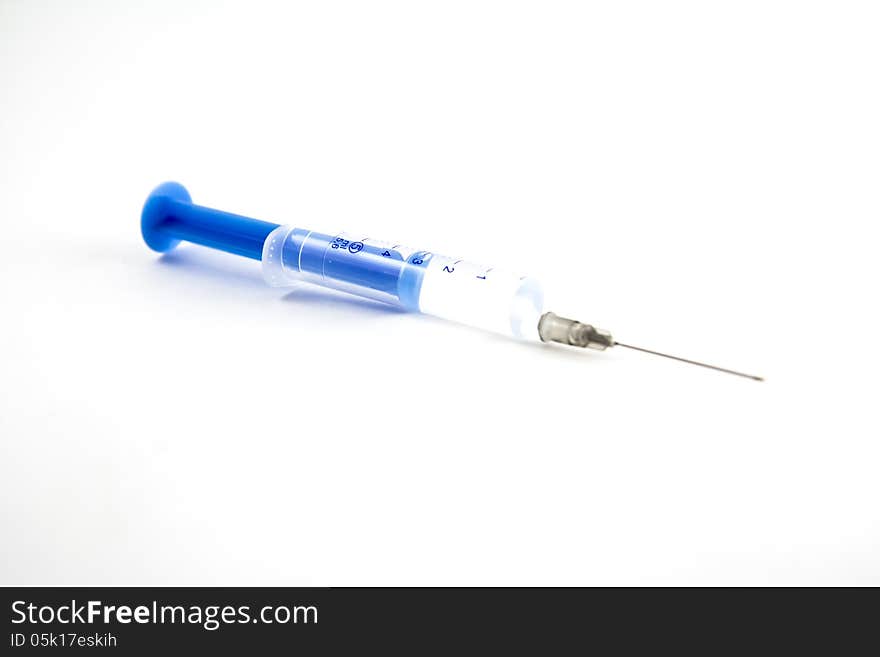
column 698, row 177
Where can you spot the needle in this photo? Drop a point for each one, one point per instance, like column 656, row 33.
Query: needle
column 692, row 362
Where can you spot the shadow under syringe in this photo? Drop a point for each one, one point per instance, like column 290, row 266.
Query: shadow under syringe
column 222, row 271
column 212, row 267
column 307, row 294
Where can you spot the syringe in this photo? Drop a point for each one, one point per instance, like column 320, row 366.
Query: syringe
column 412, row 279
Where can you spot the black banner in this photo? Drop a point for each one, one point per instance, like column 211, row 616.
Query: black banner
column 411, row 621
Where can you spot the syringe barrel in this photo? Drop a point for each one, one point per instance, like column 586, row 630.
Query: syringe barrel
column 415, row 280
